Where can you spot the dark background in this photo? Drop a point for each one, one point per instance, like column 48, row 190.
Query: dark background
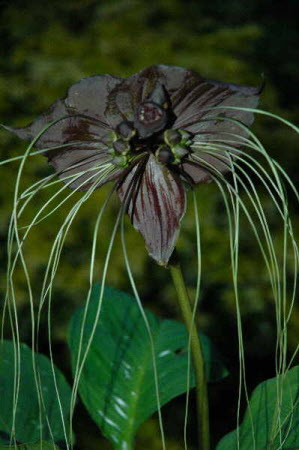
column 45, row 47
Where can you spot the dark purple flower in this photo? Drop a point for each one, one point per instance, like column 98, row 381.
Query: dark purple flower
column 146, row 130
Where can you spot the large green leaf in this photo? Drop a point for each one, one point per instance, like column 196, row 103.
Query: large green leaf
column 32, row 421
column 117, row 383
column 268, row 427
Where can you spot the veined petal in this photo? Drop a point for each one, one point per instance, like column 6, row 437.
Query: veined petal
column 156, row 205
column 172, row 77
column 199, row 104
column 73, row 143
column 82, row 168
column 52, row 136
column 124, row 99
column 200, row 168
column 202, row 109
column 80, row 115
column 90, row 95
column 130, row 92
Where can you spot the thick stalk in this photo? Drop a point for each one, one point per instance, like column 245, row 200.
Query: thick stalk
column 197, row 356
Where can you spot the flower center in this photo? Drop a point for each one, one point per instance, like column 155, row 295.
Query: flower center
column 154, row 114
column 169, row 146
column 150, row 119
column 149, row 131
column 149, row 113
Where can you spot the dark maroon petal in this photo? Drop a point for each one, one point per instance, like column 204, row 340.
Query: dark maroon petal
column 72, row 162
column 200, row 111
column 54, row 134
column 194, row 99
column 89, row 96
column 172, row 77
column 198, row 106
column 157, row 204
column 81, row 124
column 208, row 129
column 84, row 149
column 80, row 116
column 124, row 99
column 200, row 170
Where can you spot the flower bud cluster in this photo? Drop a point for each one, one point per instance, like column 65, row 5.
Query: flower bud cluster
column 118, row 143
column 179, row 142
column 122, row 145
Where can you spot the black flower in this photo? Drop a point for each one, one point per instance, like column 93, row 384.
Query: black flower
column 145, row 130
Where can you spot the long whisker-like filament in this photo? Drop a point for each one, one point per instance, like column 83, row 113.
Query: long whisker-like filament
column 13, row 236
column 147, row 325
column 47, row 288
column 277, row 275
column 195, row 308
column 80, row 364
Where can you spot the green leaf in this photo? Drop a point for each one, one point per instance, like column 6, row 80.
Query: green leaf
column 269, row 428
column 31, row 419
column 117, row 384
column 31, row 446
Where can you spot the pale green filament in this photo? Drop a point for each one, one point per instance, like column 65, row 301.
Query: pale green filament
column 195, row 307
column 235, row 194
column 277, row 276
column 147, row 325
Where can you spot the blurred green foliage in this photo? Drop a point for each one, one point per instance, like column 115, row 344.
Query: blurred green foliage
column 44, row 49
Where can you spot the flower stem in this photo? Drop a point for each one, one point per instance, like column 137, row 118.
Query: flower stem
column 197, row 356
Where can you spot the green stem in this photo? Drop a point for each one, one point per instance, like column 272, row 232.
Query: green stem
column 197, row 356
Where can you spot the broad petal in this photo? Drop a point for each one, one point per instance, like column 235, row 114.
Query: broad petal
column 200, row 170
column 172, row 77
column 202, row 111
column 89, row 96
column 156, row 206
column 83, row 149
column 199, row 108
column 195, row 98
column 81, row 125
column 197, row 103
column 81, row 169
column 125, row 97
column 80, row 116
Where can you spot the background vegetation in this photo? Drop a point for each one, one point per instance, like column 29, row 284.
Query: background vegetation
column 44, row 49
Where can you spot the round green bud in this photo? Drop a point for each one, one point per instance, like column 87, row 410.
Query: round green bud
column 164, row 155
column 120, row 161
column 186, row 137
column 109, row 138
column 172, row 137
column 126, row 130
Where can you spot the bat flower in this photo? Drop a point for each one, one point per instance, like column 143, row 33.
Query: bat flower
column 147, row 133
